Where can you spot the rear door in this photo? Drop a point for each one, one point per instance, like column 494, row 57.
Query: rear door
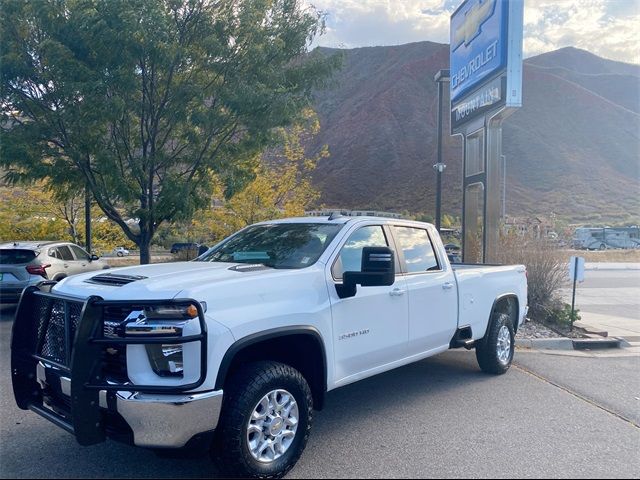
column 433, row 298
column 66, row 266
column 371, row 329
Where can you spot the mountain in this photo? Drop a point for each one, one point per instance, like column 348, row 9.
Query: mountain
column 572, row 149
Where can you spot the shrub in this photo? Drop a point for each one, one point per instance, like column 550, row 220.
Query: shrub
column 560, row 314
column 546, row 270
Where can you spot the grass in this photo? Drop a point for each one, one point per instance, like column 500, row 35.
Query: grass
column 621, row 256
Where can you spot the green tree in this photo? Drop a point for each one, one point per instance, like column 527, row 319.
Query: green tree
column 281, row 187
column 148, row 101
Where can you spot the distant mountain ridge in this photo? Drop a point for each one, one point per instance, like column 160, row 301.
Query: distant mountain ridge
column 572, row 149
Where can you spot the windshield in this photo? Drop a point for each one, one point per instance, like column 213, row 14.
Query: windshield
column 278, row 245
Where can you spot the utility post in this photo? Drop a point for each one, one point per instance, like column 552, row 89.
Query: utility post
column 440, row 78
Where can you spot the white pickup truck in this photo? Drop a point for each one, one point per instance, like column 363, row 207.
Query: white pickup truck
column 236, row 349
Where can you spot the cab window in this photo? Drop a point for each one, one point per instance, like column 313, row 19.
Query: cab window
column 417, row 249
column 350, row 258
column 79, row 252
column 65, row 253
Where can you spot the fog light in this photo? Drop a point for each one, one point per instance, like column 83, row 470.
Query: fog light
column 166, row 360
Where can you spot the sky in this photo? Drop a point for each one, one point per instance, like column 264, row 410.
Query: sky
column 608, row 28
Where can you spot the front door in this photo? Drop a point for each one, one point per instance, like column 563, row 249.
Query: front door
column 371, row 329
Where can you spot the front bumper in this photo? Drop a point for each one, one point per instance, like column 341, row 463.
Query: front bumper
column 167, row 421
column 61, row 370
column 161, row 421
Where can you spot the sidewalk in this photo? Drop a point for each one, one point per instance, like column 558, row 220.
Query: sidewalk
column 609, row 300
column 611, row 266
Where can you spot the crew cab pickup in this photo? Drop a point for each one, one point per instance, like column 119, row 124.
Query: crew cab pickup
column 236, row 349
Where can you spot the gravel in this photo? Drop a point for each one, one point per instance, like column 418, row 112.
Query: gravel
column 531, row 329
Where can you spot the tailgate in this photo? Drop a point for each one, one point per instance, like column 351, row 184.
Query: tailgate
column 13, row 264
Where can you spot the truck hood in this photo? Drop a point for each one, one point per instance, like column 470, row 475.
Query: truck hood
column 157, row 281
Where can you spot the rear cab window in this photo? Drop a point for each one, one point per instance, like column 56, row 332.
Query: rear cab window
column 16, row 256
column 417, row 249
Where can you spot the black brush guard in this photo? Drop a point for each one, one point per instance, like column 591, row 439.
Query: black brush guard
column 68, row 336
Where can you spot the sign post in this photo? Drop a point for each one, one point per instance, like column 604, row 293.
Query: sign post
column 576, row 274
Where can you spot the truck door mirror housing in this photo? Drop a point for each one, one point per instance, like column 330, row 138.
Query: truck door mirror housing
column 378, row 269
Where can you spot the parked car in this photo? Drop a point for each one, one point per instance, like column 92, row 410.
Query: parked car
column 454, row 252
column 235, row 350
column 27, row 263
column 180, row 247
column 120, row 251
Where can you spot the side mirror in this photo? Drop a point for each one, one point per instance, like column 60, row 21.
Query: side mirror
column 378, row 269
column 94, row 257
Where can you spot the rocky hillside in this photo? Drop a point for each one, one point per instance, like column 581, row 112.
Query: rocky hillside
column 572, row 149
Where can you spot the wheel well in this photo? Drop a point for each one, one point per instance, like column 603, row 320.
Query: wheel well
column 509, row 305
column 302, row 351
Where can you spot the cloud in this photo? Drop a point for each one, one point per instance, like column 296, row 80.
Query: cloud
column 609, row 28
column 598, row 26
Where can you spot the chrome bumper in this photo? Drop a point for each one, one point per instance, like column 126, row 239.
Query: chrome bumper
column 163, row 421
column 168, row 421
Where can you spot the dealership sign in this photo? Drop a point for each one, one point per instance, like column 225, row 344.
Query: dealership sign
column 482, row 100
column 486, row 45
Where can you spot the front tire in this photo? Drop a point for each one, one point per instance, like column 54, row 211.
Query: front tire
column 265, row 422
column 495, row 351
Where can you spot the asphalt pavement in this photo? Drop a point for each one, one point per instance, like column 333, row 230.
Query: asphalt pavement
column 549, row 416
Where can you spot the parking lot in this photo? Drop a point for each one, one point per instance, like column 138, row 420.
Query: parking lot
column 550, row 415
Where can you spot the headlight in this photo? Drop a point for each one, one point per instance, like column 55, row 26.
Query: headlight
column 166, row 360
column 171, row 311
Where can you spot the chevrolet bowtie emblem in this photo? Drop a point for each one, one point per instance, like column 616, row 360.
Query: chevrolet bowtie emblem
column 473, row 20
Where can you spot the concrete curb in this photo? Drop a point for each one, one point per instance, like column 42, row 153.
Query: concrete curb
column 564, row 343
column 561, row 343
column 595, row 343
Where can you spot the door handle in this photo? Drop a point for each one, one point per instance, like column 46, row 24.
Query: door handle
column 66, row 266
column 397, row 292
column 447, row 286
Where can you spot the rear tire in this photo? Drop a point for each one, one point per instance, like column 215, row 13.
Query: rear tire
column 237, row 446
column 495, row 351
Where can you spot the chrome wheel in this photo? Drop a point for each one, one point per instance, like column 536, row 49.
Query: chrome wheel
column 504, row 345
column 272, row 426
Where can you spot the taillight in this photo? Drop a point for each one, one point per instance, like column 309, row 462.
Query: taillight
column 38, row 269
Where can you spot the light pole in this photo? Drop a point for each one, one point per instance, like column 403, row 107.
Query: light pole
column 441, row 78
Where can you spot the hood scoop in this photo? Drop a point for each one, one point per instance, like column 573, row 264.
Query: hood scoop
column 114, row 279
column 251, row 267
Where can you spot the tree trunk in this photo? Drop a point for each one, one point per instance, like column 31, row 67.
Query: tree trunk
column 145, row 244
column 145, row 250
